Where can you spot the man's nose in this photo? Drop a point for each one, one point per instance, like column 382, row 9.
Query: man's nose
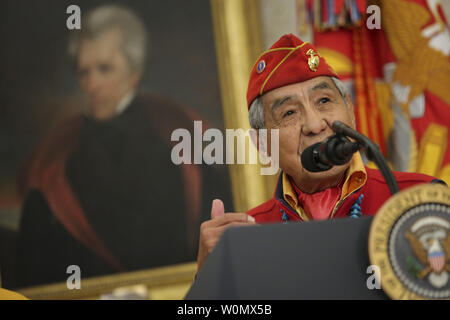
column 92, row 83
column 314, row 123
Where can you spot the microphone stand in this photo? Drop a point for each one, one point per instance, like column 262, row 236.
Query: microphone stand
column 372, row 151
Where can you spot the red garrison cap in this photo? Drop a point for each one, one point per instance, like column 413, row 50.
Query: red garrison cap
column 288, row 61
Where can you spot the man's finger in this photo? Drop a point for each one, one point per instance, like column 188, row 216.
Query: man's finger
column 221, row 229
column 217, row 208
column 231, row 217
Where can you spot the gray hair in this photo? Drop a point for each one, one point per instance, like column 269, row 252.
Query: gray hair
column 114, row 17
column 256, row 111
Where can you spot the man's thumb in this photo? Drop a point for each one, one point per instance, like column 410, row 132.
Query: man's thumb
column 217, row 208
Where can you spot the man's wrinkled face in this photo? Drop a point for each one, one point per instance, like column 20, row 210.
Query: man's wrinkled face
column 104, row 74
column 303, row 113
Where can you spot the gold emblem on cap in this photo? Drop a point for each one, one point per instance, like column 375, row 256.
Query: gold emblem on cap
column 313, row 60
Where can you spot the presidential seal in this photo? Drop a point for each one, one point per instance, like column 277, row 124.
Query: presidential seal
column 409, row 241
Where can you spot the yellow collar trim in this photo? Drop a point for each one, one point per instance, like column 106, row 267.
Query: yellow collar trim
column 291, row 197
column 356, row 177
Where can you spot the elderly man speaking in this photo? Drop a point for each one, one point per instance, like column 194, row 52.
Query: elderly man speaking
column 293, row 89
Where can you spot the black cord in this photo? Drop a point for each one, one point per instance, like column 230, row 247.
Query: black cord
column 372, row 151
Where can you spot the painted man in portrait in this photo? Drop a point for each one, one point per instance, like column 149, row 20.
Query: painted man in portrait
column 101, row 189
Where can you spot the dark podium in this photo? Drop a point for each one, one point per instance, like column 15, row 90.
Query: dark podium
column 312, row 260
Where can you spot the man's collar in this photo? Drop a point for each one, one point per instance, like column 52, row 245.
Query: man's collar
column 125, row 102
column 122, row 105
column 356, row 177
column 288, row 191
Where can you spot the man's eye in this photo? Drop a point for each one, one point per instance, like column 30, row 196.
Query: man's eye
column 82, row 73
column 104, row 68
column 323, row 100
column 288, row 113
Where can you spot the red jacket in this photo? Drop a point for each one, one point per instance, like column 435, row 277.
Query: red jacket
column 375, row 192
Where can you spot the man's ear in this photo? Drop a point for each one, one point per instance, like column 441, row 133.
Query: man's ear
column 135, row 78
column 260, row 146
column 254, row 136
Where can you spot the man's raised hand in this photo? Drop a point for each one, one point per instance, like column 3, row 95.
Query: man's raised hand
column 211, row 230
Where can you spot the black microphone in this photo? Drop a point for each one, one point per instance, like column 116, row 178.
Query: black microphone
column 335, row 150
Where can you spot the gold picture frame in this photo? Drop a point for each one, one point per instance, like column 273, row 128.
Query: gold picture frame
column 238, row 42
column 164, row 283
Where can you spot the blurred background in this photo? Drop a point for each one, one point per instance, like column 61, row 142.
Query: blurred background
column 42, row 93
